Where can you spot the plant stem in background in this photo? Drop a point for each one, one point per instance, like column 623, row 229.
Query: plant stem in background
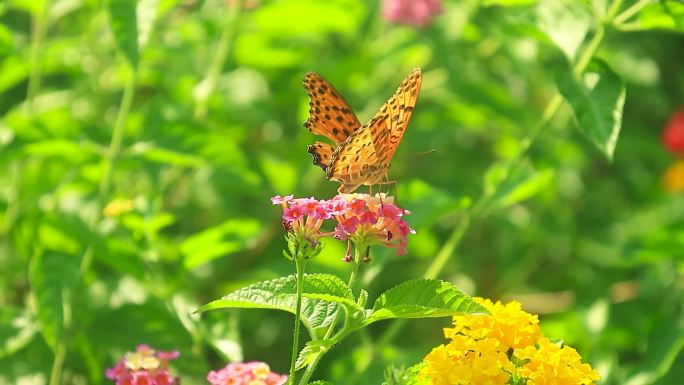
column 206, row 87
column 631, row 11
column 39, row 26
column 299, row 265
column 117, row 136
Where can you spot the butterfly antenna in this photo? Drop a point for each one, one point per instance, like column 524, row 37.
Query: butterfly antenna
column 426, row 152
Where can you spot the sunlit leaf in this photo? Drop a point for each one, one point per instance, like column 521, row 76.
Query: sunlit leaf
column 507, row 185
column 310, row 351
column 423, row 298
column 73, row 151
column 166, row 156
column 666, row 14
column 12, row 71
column 146, row 13
column 229, row 237
column 565, row 22
column 598, row 109
column 322, row 293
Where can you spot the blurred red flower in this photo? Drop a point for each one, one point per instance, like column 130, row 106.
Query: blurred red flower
column 673, row 133
column 417, row 13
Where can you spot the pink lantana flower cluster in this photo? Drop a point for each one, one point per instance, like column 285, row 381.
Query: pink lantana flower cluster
column 145, row 366
column 361, row 219
column 418, row 13
column 246, row 373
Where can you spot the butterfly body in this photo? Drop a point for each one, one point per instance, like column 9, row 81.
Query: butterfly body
column 363, row 154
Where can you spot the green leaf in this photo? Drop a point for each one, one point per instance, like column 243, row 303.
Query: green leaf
column 667, row 15
column 565, row 23
column 321, row 382
column 52, row 276
column 322, row 295
column 598, row 109
column 310, row 351
column 422, row 298
column 122, row 16
column 146, row 14
column 231, row 236
column 523, row 183
column 168, row 157
column 17, row 329
column 73, row 151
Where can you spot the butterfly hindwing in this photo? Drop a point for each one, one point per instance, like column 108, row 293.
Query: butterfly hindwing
column 321, row 153
column 329, row 114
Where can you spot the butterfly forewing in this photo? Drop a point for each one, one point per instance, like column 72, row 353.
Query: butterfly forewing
column 363, row 155
column 397, row 110
column 329, row 113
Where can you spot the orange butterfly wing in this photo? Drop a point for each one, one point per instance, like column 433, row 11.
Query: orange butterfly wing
column 364, row 154
column 397, row 111
column 329, row 113
column 355, row 162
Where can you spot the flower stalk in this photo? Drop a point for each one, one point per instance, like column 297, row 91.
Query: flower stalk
column 299, row 265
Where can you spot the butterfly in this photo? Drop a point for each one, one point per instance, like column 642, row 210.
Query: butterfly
column 363, row 154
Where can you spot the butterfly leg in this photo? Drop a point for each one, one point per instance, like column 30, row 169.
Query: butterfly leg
column 389, row 183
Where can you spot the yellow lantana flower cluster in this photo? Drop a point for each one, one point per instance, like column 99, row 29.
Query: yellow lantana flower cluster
column 506, row 347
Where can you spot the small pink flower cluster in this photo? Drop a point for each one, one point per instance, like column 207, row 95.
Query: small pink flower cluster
column 247, row 373
column 145, row 366
column 361, row 218
column 417, row 13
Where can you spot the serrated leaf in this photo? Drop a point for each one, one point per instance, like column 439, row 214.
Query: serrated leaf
column 52, row 276
column 505, row 190
column 322, row 295
column 310, row 351
column 123, row 19
column 363, row 298
column 598, row 109
column 422, row 298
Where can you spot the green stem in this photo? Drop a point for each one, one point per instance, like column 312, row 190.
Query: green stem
column 299, row 264
column 631, row 11
column 117, row 136
column 352, row 280
column 58, row 363
column 448, row 249
column 589, row 51
column 35, row 74
column 355, row 268
column 613, row 8
column 208, row 84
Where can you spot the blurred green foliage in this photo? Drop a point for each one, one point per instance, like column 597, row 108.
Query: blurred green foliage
column 140, row 143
